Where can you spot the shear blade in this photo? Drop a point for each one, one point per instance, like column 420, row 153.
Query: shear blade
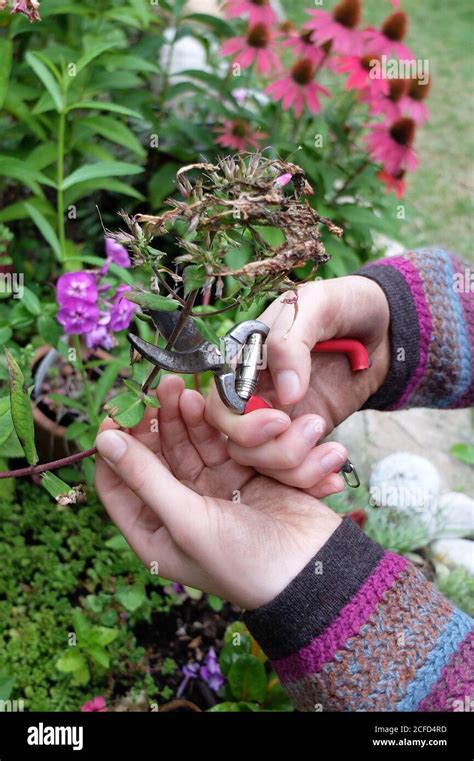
column 165, row 322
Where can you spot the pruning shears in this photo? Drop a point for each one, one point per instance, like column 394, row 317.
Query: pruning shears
column 236, row 363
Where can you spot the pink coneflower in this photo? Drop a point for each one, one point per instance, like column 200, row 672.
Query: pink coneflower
column 388, row 39
column 339, row 27
column 388, row 103
column 392, row 145
column 412, row 104
column 298, row 89
column 256, row 47
column 303, row 46
column 359, row 68
column 395, row 183
column 238, row 135
column 258, row 11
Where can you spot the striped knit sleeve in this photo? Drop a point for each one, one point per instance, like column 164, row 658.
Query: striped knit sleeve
column 361, row 629
column 431, row 299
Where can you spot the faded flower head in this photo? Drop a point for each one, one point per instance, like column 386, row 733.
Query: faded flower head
column 29, row 8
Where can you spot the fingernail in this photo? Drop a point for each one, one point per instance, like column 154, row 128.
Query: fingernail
column 288, row 386
column 313, row 430
column 111, row 445
column 274, row 427
column 332, row 461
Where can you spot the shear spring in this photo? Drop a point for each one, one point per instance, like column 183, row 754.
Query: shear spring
column 350, row 475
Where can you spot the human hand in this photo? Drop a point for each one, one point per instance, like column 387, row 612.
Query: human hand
column 298, row 382
column 207, row 521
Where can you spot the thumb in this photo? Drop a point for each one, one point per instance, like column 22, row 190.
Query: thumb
column 142, row 471
column 290, row 365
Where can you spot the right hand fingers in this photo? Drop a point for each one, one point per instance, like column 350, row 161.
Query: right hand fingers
column 250, row 430
column 286, row 451
column 321, row 463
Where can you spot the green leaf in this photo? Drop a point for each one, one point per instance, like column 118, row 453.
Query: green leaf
column 162, row 184
column 21, row 411
column 141, row 10
column 16, row 106
column 7, row 682
column 104, row 635
column 5, row 335
column 66, row 401
column 45, row 229
column 114, row 131
column 81, row 625
column 98, row 105
column 117, row 542
column 49, row 329
column 132, row 597
column 11, row 447
column 81, row 676
column 247, row 679
column 45, row 75
column 106, row 381
column 206, row 331
column 72, row 660
column 100, row 169
column 126, row 409
column 94, row 51
column 129, row 62
column 215, row 603
column 463, row 452
column 19, row 170
column 194, row 277
column 99, row 655
column 31, row 302
column 54, row 485
column 83, row 189
column 6, row 55
column 276, row 699
column 229, row 707
column 151, row 301
column 217, row 24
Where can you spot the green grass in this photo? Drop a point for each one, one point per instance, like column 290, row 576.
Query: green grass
column 440, row 192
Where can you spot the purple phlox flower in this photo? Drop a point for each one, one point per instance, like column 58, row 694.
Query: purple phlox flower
column 116, row 253
column 210, row 671
column 178, row 588
column 78, row 316
column 29, row 8
column 122, row 310
column 100, row 335
column 190, row 671
column 76, row 285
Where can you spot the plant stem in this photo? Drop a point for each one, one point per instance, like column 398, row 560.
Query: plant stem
column 183, row 318
column 59, row 179
column 85, row 381
column 32, row 470
column 351, row 177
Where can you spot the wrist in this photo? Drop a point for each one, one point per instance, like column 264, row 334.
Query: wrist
column 306, row 525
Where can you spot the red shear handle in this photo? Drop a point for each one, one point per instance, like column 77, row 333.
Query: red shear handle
column 355, row 351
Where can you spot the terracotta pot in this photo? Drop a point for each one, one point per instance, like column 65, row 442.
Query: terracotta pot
column 180, row 705
column 50, row 434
